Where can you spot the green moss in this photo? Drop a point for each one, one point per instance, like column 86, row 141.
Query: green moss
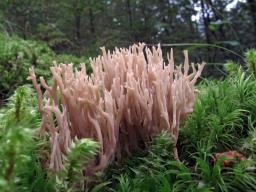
column 250, row 56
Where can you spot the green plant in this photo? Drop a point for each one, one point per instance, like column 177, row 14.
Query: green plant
column 154, row 170
column 241, row 177
column 211, row 176
column 68, row 58
column 22, row 164
column 232, row 68
column 17, row 55
column 216, row 121
column 54, row 38
column 250, row 56
column 19, row 162
column 225, row 106
column 249, row 143
column 71, row 178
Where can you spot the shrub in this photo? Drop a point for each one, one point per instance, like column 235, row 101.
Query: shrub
column 17, row 55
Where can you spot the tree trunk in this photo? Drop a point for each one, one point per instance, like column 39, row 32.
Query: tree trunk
column 218, row 17
column 252, row 7
column 129, row 11
column 92, row 27
column 206, row 23
column 78, row 26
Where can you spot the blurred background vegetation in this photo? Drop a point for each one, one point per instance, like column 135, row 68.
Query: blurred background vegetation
column 38, row 32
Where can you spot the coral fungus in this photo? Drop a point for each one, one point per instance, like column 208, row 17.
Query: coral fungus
column 131, row 96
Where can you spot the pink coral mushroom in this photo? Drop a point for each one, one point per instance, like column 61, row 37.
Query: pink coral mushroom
column 131, row 96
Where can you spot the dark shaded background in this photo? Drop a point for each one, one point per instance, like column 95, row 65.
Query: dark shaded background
column 80, row 27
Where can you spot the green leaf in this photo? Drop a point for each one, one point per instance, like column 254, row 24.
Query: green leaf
column 100, row 187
